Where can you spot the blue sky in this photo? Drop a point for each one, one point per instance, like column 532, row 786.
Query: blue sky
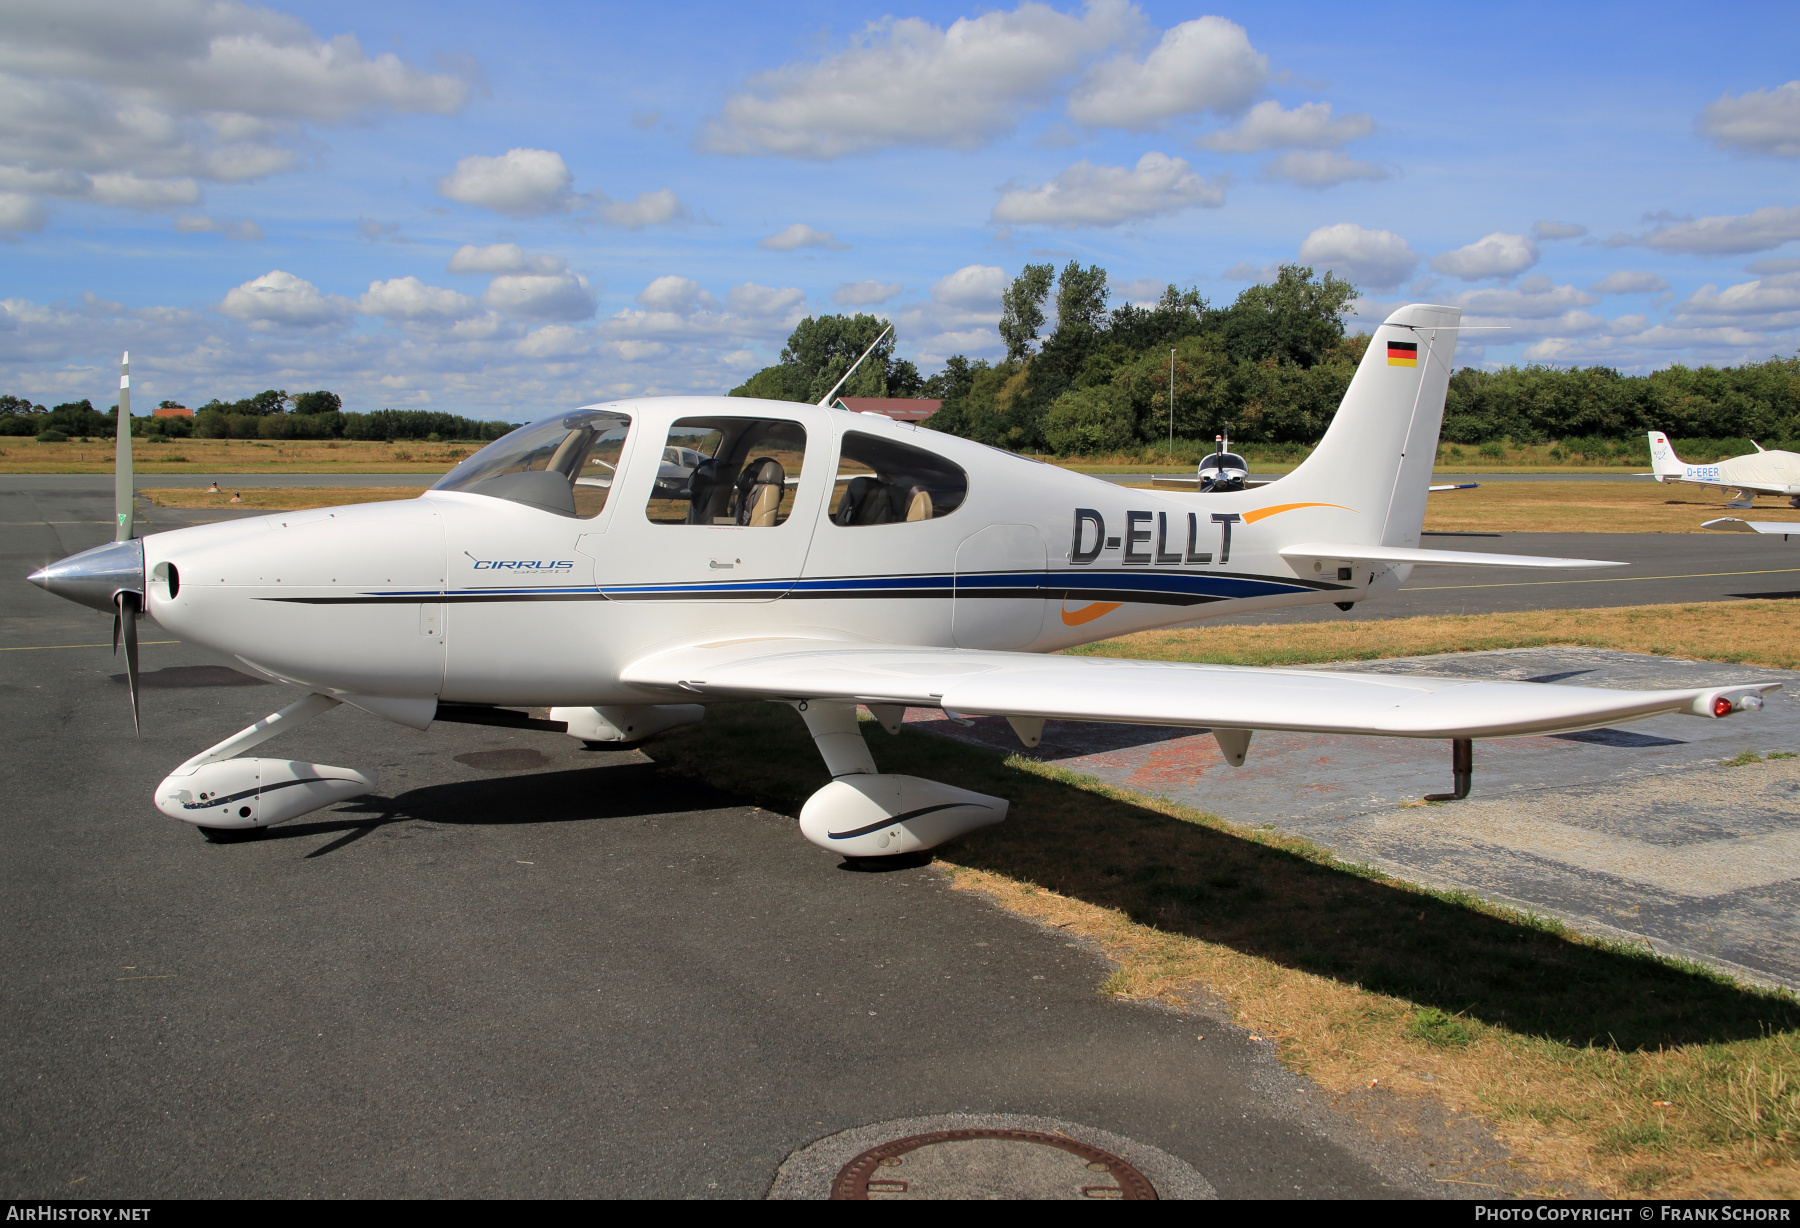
column 502, row 211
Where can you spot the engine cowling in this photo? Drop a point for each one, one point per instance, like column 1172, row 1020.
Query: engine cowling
column 878, row 815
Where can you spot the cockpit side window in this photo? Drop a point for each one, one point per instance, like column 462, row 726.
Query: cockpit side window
column 881, row 481
column 731, row 471
column 566, row 464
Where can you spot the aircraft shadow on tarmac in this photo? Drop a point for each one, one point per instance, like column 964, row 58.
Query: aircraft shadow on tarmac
column 1284, row 900
column 627, row 790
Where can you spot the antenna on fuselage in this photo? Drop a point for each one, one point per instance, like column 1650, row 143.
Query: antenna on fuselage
column 853, row 366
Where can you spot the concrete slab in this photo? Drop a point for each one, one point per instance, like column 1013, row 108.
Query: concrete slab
column 1639, row 832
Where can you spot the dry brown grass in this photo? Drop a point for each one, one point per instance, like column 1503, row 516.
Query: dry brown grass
column 275, row 498
column 222, row 456
column 1741, row 633
column 1586, row 507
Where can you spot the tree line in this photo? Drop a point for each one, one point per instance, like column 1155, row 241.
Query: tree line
column 270, row 414
column 1272, row 367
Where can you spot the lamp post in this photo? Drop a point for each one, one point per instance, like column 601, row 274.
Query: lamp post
column 1171, row 405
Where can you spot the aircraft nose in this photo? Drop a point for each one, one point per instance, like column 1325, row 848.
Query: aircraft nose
column 94, row 577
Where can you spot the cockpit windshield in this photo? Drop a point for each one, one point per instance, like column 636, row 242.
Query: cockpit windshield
column 564, row 464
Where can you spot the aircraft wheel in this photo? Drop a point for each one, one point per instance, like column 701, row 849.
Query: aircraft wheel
column 880, row 865
column 233, row 835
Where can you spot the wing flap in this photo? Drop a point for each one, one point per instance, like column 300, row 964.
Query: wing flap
column 1154, row 692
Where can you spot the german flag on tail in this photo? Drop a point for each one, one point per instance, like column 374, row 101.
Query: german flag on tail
column 1403, row 353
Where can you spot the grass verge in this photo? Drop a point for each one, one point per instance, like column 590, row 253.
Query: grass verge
column 1744, row 633
column 1601, row 1064
column 1587, row 507
column 223, row 456
column 276, row 498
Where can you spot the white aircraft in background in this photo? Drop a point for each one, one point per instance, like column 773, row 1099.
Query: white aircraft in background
column 827, row 560
column 1762, row 472
column 1224, row 470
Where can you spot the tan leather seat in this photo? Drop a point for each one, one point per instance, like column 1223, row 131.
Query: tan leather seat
column 918, row 503
column 759, row 489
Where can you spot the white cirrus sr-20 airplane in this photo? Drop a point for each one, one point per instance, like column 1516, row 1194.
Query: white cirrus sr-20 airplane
column 1766, row 471
column 827, row 560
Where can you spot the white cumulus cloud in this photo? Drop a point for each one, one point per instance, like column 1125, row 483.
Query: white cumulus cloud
column 764, row 302
column 1497, row 255
column 408, row 298
column 680, row 295
column 1626, row 282
column 864, row 293
column 541, row 296
column 1534, row 298
column 800, row 235
column 1547, row 230
column 554, row 341
column 278, row 298
column 518, row 183
column 1724, row 235
column 649, row 209
column 243, row 229
column 502, row 258
column 1089, row 195
column 974, row 287
column 907, row 82
column 1271, row 126
column 1321, row 168
column 1374, row 259
column 19, row 212
column 537, row 182
column 135, row 105
column 1206, row 64
column 1761, row 121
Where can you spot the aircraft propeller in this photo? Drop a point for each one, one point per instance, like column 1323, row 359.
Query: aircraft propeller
column 128, row 606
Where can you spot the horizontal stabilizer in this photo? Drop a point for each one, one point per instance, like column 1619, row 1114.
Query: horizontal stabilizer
column 1453, row 558
column 1728, row 525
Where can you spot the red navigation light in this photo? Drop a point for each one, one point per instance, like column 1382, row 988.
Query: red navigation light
column 1721, row 706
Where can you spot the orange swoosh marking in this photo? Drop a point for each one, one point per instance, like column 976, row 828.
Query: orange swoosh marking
column 1088, row 613
column 1260, row 513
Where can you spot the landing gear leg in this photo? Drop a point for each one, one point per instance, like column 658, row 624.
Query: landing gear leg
column 219, row 793
column 1462, row 768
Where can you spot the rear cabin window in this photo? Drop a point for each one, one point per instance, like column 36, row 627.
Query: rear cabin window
column 735, row 471
column 880, row 481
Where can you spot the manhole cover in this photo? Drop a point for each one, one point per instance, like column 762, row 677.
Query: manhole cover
column 989, row 1164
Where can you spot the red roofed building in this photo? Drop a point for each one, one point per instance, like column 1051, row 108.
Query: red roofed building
column 172, row 411
column 900, row 409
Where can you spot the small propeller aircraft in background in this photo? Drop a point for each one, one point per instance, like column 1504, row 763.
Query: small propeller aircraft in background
column 628, row 563
column 1762, row 472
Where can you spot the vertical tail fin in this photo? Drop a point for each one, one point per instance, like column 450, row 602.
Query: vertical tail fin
column 1376, row 457
column 1663, row 461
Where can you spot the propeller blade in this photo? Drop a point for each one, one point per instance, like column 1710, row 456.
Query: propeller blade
column 116, row 621
column 123, row 493
column 128, row 616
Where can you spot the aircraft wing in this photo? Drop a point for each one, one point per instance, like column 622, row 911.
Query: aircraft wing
column 1155, row 692
column 1728, row 525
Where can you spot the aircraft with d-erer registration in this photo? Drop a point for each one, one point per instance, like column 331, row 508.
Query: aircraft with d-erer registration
column 828, row 560
column 1766, row 471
